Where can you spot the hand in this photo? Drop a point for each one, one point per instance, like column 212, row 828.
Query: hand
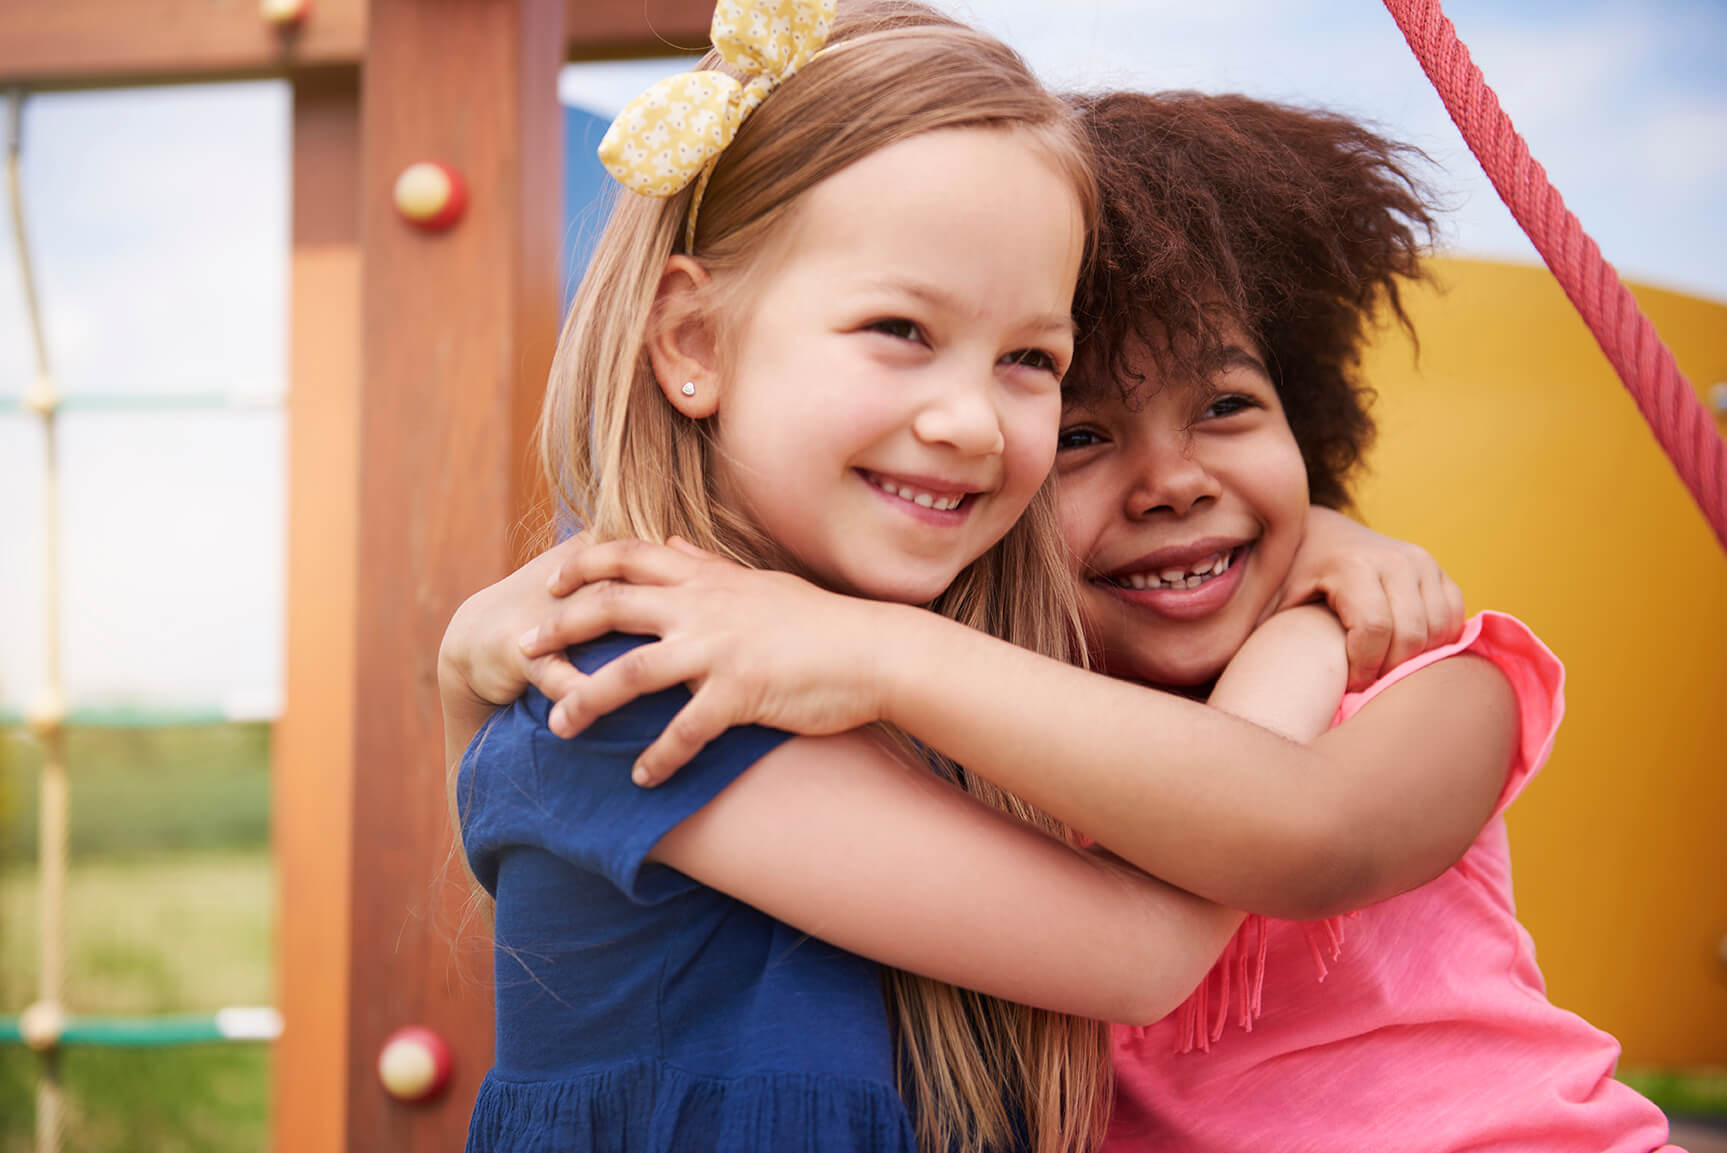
column 755, row 647
column 1394, row 600
column 481, row 658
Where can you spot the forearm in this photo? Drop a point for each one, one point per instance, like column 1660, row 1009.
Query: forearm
column 888, row 861
column 1204, row 800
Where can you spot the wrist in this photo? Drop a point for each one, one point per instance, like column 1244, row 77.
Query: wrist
column 912, row 649
column 456, row 665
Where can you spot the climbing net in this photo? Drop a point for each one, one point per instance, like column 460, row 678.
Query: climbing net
column 46, row 1025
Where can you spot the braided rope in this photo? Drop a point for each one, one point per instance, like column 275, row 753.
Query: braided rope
column 48, row 716
column 1645, row 364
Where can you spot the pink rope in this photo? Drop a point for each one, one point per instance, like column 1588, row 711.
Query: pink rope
column 1644, row 363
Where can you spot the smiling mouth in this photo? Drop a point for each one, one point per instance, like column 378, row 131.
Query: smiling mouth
column 1183, row 576
column 937, row 500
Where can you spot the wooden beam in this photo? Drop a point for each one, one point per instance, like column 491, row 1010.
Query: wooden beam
column 103, row 43
column 458, row 330
column 605, row 29
column 312, row 778
column 74, row 43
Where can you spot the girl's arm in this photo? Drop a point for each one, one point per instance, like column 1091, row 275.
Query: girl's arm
column 1370, row 809
column 1203, row 800
column 889, row 862
column 840, row 838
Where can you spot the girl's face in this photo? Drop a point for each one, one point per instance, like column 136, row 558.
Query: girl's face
column 1182, row 511
column 889, row 407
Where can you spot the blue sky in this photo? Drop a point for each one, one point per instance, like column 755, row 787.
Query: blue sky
column 159, row 221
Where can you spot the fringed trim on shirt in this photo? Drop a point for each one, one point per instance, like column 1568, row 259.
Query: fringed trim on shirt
column 1241, row 972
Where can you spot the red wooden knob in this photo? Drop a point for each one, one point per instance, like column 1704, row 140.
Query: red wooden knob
column 430, row 195
column 414, row 1064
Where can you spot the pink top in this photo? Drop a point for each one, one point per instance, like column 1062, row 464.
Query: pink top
column 1420, row 1023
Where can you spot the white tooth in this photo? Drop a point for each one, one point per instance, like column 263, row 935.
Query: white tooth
column 924, row 500
column 1223, row 565
column 1172, row 575
column 1193, row 582
column 1136, row 580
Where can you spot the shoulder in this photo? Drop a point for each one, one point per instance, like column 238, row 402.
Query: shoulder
column 1498, row 668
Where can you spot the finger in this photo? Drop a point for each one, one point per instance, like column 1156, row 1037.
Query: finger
column 555, row 676
column 595, row 610
column 1366, row 618
column 709, row 713
column 649, row 668
column 689, row 549
column 1408, row 619
column 1442, row 625
column 634, row 561
column 1457, row 612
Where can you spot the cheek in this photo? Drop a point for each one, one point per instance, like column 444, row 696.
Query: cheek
column 1283, row 487
column 1077, row 517
column 1028, row 429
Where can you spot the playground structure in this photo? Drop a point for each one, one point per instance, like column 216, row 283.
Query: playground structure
column 417, row 365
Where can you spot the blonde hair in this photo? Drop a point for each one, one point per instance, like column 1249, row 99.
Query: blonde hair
column 622, row 462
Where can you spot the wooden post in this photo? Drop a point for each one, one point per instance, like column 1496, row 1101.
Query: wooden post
column 312, row 779
column 459, row 329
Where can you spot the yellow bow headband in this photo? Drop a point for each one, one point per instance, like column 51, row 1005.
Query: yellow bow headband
column 672, row 133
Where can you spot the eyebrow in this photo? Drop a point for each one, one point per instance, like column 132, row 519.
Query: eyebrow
column 1235, row 356
column 1063, row 323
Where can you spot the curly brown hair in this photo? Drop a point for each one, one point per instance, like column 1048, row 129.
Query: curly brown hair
column 1297, row 224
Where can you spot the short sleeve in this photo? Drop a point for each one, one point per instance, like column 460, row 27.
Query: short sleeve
column 522, row 785
column 1537, row 679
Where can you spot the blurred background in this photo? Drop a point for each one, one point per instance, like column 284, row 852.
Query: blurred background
column 159, row 231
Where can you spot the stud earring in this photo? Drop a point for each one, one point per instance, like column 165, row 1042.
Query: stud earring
column 689, row 388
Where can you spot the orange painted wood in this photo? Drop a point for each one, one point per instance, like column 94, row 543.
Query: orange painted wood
column 312, row 779
column 458, row 332
column 69, row 42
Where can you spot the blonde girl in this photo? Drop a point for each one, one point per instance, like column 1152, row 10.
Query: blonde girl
column 845, row 362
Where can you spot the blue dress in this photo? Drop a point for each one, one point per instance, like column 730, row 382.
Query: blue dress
column 637, row 1010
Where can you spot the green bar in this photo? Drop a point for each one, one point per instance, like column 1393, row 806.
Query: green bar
column 142, row 717
column 129, row 1032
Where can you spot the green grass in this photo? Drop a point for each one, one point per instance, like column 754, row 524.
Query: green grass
column 170, row 909
column 159, row 933
column 143, row 790
column 190, row 1099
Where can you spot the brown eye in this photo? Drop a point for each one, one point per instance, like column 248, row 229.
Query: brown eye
column 1032, row 358
column 1228, row 404
column 897, row 327
column 1078, row 436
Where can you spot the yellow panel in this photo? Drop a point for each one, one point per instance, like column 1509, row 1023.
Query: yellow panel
column 1513, row 453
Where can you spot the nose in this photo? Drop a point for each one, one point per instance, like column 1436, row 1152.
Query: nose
column 962, row 415
column 1168, row 476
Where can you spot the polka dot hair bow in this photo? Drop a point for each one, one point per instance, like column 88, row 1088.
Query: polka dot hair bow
column 670, row 135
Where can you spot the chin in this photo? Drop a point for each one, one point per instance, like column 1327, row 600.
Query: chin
column 908, row 589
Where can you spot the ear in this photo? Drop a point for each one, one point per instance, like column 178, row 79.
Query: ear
column 681, row 344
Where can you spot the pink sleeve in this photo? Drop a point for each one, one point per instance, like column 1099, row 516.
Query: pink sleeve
column 1536, row 676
